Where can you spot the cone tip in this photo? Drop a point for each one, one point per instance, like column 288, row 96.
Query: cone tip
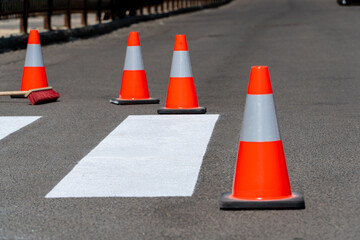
column 259, row 82
column 133, row 39
column 180, row 43
column 34, row 37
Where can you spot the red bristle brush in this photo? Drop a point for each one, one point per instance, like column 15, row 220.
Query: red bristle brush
column 36, row 96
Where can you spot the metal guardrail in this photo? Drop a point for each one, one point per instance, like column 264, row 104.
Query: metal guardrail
column 104, row 9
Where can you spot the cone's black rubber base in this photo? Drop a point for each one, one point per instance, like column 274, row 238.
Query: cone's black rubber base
column 18, row 96
column 198, row 110
column 295, row 202
column 118, row 101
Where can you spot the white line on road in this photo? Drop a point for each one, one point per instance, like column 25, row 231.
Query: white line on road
column 9, row 125
column 145, row 156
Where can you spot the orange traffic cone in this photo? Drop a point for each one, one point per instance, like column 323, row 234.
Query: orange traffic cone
column 261, row 179
column 181, row 95
column 34, row 75
column 134, row 88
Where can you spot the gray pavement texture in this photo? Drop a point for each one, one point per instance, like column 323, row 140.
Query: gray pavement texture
column 312, row 50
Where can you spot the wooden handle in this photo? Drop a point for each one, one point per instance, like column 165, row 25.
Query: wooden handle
column 25, row 93
column 11, row 93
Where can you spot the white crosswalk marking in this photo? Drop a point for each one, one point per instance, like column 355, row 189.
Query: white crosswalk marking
column 9, row 125
column 145, row 156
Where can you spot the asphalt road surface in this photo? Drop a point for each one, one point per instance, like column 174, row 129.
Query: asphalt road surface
column 312, row 50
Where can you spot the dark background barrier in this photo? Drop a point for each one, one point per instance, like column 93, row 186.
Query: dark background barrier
column 104, row 9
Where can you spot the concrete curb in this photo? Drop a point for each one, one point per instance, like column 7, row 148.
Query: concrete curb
column 20, row 42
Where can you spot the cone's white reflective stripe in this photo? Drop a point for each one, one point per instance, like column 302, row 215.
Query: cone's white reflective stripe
column 133, row 59
column 34, row 56
column 260, row 121
column 181, row 65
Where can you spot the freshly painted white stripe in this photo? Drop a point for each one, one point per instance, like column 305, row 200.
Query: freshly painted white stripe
column 145, row 156
column 9, row 125
column 181, row 65
column 34, row 56
column 133, row 58
column 260, row 122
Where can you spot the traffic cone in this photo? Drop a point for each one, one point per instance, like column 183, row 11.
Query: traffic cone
column 134, row 88
column 181, row 95
column 34, row 75
column 261, row 179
